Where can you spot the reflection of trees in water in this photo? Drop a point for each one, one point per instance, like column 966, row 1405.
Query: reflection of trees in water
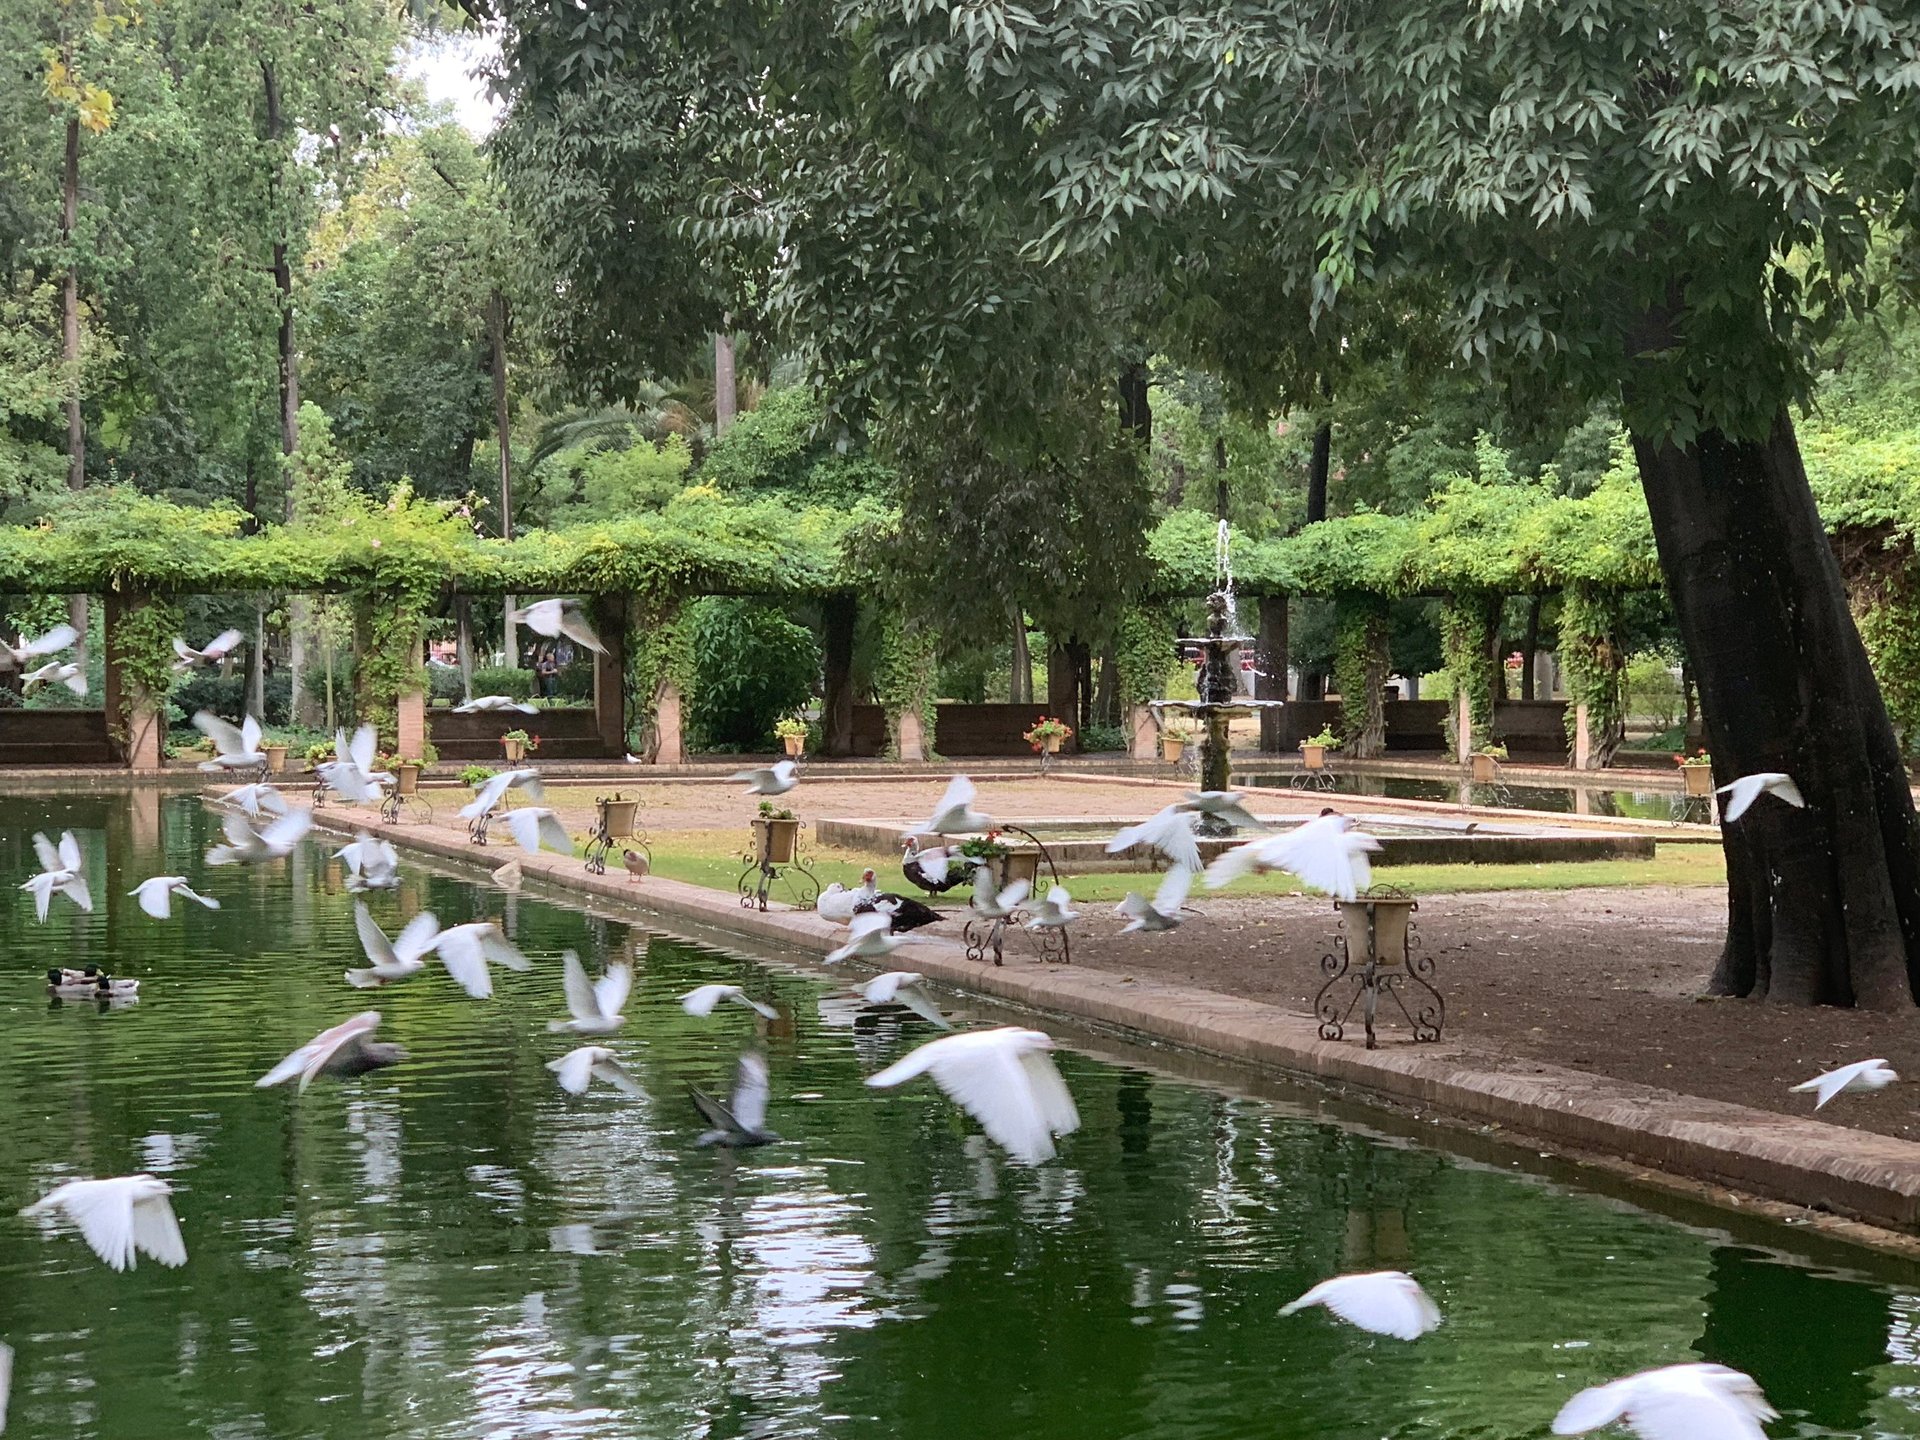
column 1811, row 1340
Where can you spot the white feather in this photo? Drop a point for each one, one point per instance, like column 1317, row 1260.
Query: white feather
column 1386, row 1302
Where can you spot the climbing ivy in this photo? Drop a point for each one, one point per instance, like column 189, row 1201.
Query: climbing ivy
column 1468, row 626
column 904, row 674
column 1595, row 666
column 659, row 654
column 1361, row 660
column 1145, row 654
column 140, row 647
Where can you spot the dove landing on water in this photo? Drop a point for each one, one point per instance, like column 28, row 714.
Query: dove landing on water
column 1864, row 1076
column 1327, row 854
column 594, row 1004
column 1386, row 1302
column 61, row 873
column 703, row 999
column 1163, row 911
column 908, row 988
column 578, row 1069
column 156, row 895
column 346, row 1050
column 742, row 1121
column 772, row 780
column 119, row 1217
column 1675, row 1402
column 554, row 618
column 1749, row 788
column 247, row 844
column 1004, row 1078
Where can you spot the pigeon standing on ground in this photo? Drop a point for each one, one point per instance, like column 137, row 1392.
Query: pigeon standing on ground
column 235, row 748
column 156, row 895
column 1170, row 832
column 480, row 704
column 1005, row 1079
column 120, row 1217
column 214, row 651
column 1749, row 788
column 249, row 845
column 1386, row 1302
column 775, row 779
column 554, row 618
column 395, row 959
column 1163, row 911
column 908, row 988
column 955, row 815
column 637, row 866
column 16, row 655
column 702, row 1000
column 742, row 1121
column 372, row 864
column 1863, row 1076
column 346, row 1050
column 61, row 873
column 594, row 1004
column 1327, row 854
column 1675, row 1402
column 577, row 1069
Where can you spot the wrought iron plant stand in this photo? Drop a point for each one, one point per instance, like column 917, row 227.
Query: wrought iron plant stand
column 1051, row 942
column 1380, row 954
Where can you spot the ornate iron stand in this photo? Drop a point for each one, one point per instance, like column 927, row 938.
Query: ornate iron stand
column 1378, row 936
column 614, row 822
column 1316, row 778
column 985, row 936
column 770, row 861
column 477, row 827
column 418, row 809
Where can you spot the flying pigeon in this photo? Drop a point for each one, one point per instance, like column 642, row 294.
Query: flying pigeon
column 466, row 951
column 1170, row 832
column 1863, row 1075
column 482, row 703
column 955, row 815
column 372, row 864
column 1222, row 805
column 908, row 988
column 22, row 650
column 156, row 895
column 1056, row 912
column 216, row 650
column 495, row 789
column 60, row 874
column 120, row 1217
column 1386, row 1302
column 68, row 674
column 1749, row 788
column 772, row 780
column 554, row 618
column 1005, row 1079
column 346, row 1050
column 234, row 748
column 537, row 826
column 1163, row 911
column 594, row 1004
column 1674, row 1402
column 990, row 902
column 742, row 1121
column 249, row 845
column 395, row 959
column 869, row 937
column 702, row 999
column 1327, row 854
column 257, row 799
column 577, row 1069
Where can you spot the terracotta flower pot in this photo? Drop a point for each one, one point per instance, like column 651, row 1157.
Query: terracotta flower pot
column 407, row 779
column 774, row 841
column 1172, row 750
column 1022, row 863
column 276, row 758
column 1698, row 779
column 1051, row 744
column 515, row 749
column 796, row 745
column 1484, row 769
column 1314, row 757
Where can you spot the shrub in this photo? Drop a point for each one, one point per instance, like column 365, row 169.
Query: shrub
column 226, row 695
column 1103, row 737
column 443, row 684
column 752, row 665
column 505, row 680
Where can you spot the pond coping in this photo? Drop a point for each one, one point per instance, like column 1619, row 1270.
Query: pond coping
column 1799, row 1161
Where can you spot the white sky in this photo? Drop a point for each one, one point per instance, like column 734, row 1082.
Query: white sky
column 445, row 66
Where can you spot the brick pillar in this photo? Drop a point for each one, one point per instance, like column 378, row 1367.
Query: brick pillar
column 670, row 749
column 610, row 674
column 136, row 721
column 410, row 716
column 1582, row 738
column 913, row 739
column 1143, row 736
column 1463, row 728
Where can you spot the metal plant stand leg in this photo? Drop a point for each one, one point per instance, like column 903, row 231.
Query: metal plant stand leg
column 418, row 810
column 762, row 874
column 1400, row 977
column 1051, row 943
column 477, row 828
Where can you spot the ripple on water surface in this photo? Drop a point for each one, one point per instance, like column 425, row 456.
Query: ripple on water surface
column 456, row 1248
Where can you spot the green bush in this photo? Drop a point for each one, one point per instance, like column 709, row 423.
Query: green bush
column 505, row 680
column 752, row 665
column 1103, row 737
column 443, row 683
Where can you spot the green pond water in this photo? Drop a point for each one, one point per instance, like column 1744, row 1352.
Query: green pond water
column 454, row 1248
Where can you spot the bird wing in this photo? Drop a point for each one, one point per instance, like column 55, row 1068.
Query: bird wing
column 488, row 797
column 69, row 852
column 712, row 1111
column 787, row 773
column 916, row 998
column 103, row 1209
column 41, row 888
column 188, row 892
column 156, row 896
column 185, row 651
column 226, row 738
column 288, row 830
column 702, row 998
column 525, row 827
column 984, row 894
column 553, row 834
column 1135, row 907
column 542, row 617
column 1833, row 1082
column 373, row 940
column 881, row 989
column 1678, row 1402
column 582, row 1002
column 1175, row 886
column 751, row 1090
column 1242, row 860
column 610, row 991
column 501, row 951
column 1170, row 832
column 156, row 1231
column 873, row 922
column 460, row 951
column 217, row 648
column 1387, row 1303
column 48, row 853
column 1014, row 895
column 364, row 746
column 527, row 781
column 1593, row 1407
column 959, row 797
column 58, row 638
column 575, row 627
column 249, row 735
column 76, row 891
column 991, row 1084
column 73, row 680
column 611, row 1072
column 575, row 1069
column 1749, row 788
column 1323, row 857
column 1050, row 1092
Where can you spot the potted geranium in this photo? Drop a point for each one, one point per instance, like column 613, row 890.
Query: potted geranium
column 776, row 834
column 407, row 768
column 1174, row 740
column 1696, row 772
column 791, row 730
column 1048, row 735
column 518, row 744
column 1486, row 759
column 1313, row 749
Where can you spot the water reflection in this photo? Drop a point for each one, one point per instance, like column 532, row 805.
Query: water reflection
column 455, row 1248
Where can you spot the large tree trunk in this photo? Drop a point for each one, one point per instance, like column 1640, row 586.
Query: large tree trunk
column 70, row 355
column 839, row 614
column 1063, row 683
column 1319, row 464
column 726, row 399
column 498, row 319
column 1529, row 647
column 1823, row 902
column 1020, row 681
column 1136, row 407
